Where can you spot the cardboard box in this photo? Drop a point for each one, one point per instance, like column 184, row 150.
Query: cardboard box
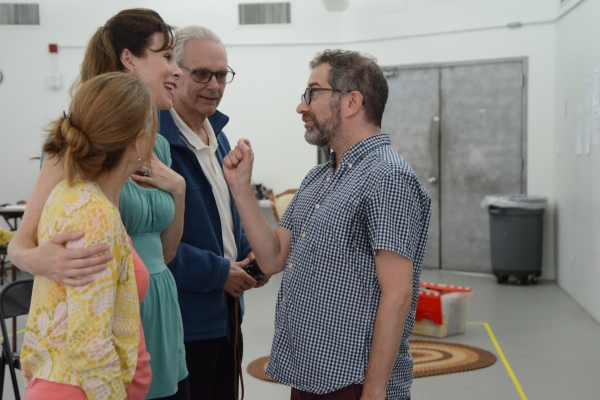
column 441, row 310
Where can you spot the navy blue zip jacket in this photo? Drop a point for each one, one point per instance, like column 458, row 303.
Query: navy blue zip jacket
column 199, row 268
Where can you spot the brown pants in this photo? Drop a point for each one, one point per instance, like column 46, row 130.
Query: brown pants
column 352, row 392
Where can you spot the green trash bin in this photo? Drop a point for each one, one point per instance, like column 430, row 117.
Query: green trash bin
column 516, row 236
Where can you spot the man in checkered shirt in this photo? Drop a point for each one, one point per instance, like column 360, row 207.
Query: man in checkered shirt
column 351, row 243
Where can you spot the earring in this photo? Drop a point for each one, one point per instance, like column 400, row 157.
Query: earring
column 139, row 158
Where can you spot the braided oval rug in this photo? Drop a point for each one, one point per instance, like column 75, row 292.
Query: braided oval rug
column 430, row 358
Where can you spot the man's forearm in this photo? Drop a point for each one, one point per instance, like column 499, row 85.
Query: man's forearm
column 198, row 270
column 270, row 248
column 264, row 242
column 387, row 334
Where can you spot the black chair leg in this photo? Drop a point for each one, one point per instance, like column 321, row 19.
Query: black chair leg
column 3, row 362
column 13, row 377
column 11, row 368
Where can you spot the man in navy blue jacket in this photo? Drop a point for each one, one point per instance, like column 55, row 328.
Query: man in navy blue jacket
column 208, row 267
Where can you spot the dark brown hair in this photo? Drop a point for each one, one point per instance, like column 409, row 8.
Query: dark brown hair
column 107, row 114
column 351, row 70
column 130, row 29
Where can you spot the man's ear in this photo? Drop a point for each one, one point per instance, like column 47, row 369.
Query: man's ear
column 127, row 59
column 355, row 102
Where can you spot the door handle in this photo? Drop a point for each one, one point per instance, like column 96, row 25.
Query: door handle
column 432, row 179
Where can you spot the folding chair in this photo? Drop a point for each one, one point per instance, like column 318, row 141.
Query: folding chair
column 15, row 300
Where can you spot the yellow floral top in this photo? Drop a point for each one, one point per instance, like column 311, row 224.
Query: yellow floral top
column 85, row 336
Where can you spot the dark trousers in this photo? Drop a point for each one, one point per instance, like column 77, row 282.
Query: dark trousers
column 352, row 392
column 211, row 367
column 183, row 392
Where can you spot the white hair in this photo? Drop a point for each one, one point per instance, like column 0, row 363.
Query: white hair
column 193, row 32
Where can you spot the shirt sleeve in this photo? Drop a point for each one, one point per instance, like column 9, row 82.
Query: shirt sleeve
column 197, row 270
column 103, row 337
column 394, row 215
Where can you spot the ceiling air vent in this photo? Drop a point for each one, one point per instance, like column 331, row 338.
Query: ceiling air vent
column 265, row 13
column 19, row 14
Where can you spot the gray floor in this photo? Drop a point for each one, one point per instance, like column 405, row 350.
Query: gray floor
column 550, row 343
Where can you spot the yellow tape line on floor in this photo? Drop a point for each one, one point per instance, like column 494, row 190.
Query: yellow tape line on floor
column 503, row 358
column 10, row 334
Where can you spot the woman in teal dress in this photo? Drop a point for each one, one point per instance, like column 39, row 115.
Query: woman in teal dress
column 146, row 213
column 151, row 203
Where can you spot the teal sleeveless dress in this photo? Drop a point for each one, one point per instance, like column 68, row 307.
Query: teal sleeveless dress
column 146, row 213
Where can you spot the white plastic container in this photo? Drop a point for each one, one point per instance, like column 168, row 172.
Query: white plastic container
column 441, row 310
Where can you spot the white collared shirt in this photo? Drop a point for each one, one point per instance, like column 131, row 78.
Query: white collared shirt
column 209, row 162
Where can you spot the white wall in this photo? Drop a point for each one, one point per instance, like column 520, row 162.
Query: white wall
column 577, row 181
column 272, row 69
column 376, row 19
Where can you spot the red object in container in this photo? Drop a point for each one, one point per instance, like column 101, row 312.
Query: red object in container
column 429, row 305
column 53, row 48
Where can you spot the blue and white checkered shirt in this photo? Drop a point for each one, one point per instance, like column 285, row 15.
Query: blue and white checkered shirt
column 329, row 293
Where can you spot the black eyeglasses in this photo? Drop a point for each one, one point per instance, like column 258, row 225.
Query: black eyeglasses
column 308, row 93
column 204, row 75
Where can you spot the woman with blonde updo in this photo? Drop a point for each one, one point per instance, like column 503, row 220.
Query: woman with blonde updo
column 82, row 342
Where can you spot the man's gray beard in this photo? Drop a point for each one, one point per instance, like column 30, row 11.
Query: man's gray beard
column 321, row 133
